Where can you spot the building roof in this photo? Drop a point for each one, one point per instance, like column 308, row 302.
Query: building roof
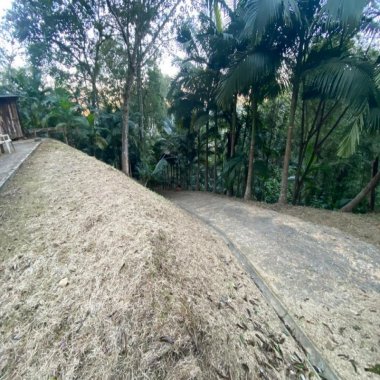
column 9, row 97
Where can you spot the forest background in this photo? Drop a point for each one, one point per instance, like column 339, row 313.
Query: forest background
column 273, row 100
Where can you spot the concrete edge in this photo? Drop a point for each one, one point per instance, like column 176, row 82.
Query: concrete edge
column 18, row 166
column 322, row 368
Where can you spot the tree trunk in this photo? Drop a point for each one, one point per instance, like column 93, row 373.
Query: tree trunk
column 125, row 164
column 215, row 148
column 198, row 163
column 95, row 109
column 372, row 199
column 141, row 105
column 370, row 187
column 301, row 179
column 65, row 135
column 292, row 116
column 241, row 183
column 206, row 165
column 301, row 147
column 288, row 150
column 178, row 180
column 233, row 128
column 230, row 189
column 248, row 187
column 94, row 93
column 316, row 129
column 274, row 113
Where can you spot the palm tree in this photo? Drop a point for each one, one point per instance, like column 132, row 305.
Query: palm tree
column 302, row 23
column 204, row 59
column 253, row 72
column 253, row 75
column 65, row 115
column 186, row 96
column 344, row 92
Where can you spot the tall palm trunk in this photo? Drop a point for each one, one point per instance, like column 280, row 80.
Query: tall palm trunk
column 288, row 150
column 207, row 151
column 249, row 184
column 230, row 189
column 198, row 160
column 242, row 176
column 301, row 151
column 293, row 108
column 215, row 147
column 233, row 127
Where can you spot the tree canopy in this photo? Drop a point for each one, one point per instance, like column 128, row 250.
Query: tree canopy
column 273, row 100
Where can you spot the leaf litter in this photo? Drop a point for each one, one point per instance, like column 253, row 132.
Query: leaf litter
column 101, row 278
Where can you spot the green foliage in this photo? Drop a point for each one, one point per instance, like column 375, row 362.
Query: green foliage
column 90, row 61
column 374, row 369
column 348, row 12
column 247, row 72
column 271, row 187
column 152, row 174
column 258, row 14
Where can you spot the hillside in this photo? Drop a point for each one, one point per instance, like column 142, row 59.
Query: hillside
column 101, row 278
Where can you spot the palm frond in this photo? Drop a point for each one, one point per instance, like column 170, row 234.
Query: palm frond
column 218, row 18
column 377, row 75
column 348, row 145
column 244, row 74
column 347, row 79
column 80, row 121
column 233, row 166
column 226, row 7
column 200, row 120
column 160, row 167
column 258, row 14
column 346, row 12
column 373, row 119
column 61, row 125
column 100, row 142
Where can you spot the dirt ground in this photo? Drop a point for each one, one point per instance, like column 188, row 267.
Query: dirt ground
column 103, row 279
column 365, row 227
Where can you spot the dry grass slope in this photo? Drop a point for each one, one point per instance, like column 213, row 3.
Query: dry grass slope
column 364, row 227
column 101, row 278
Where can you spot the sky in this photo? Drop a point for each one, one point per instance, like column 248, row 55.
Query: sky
column 165, row 62
column 166, row 65
column 4, row 5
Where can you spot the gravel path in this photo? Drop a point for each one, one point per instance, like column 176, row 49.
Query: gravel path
column 330, row 282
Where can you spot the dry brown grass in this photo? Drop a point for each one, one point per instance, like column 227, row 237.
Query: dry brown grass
column 365, row 227
column 103, row 279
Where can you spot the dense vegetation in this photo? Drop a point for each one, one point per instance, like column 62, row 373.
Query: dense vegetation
column 275, row 100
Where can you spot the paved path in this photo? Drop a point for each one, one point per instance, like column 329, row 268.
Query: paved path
column 328, row 281
column 9, row 163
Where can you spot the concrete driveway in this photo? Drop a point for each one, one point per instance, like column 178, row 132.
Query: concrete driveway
column 328, row 281
column 10, row 162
